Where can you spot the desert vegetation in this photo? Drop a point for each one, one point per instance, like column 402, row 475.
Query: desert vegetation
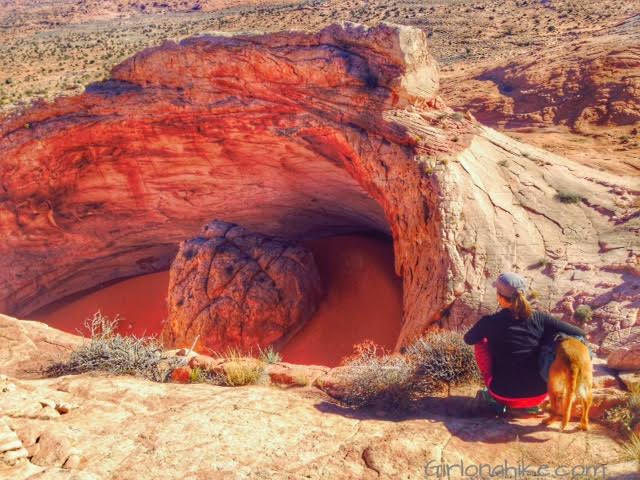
column 625, row 418
column 370, row 375
column 59, row 49
column 108, row 351
column 583, row 314
column 430, row 365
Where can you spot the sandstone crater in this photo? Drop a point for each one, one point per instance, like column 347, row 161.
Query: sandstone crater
column 301, row 136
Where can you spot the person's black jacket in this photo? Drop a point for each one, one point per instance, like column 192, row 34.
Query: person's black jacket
column 514, row 346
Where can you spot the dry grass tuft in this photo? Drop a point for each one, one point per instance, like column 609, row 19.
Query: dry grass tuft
column 631, row 449
column 245, row 371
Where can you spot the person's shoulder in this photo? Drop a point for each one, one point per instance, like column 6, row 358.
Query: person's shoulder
column 541, row 316
column 499, row 315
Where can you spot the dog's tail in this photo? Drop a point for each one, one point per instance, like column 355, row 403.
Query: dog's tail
column 574, row 372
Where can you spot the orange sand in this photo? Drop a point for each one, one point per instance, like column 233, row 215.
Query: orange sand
column 363, row 300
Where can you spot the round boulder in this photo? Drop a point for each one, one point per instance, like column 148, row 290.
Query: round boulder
column 230, row 287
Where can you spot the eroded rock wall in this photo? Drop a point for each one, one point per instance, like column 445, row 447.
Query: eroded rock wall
column 303, row 135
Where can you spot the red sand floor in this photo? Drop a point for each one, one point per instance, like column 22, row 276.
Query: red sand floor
column 139, row 302
column 363, row 300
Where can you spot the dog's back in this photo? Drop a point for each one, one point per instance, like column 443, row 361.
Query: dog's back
column 571, row 374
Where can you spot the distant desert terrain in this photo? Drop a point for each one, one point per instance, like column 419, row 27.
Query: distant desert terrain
column 486, row 51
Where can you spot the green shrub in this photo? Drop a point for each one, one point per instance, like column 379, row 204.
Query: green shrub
column 198, row 375
column 583, row 314
column 569, row 197
column 111, row 352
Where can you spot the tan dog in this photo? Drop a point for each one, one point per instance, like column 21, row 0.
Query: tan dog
column 571, row 374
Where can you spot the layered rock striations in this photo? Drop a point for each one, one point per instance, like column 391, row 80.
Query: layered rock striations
column 304, row 135
column 231, row 288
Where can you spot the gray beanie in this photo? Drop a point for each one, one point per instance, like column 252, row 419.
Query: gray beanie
column 509, row 284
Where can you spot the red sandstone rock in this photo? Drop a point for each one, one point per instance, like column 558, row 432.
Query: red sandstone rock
column 231, row 288
column 627, row 358
column 30, row 347
column 301, row 135
column 294, row 375
column 205, row 362
column 181, row 375
column 593, row 83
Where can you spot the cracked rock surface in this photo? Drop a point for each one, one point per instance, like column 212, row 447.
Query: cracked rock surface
column 229, row 287
column 129, row 428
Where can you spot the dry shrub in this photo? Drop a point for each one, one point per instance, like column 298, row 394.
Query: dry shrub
column 625, row 417
column 442, row 359
column 111, row 352
column 432, row 362
column 374, row 377
column 631, row 449
column 201, row 375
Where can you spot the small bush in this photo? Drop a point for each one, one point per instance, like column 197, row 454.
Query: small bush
column 270, row 355
column 198, row 375
column 441, row 358
column 569, row 197
column 583, row 314
column 432, row 363
column 626, row 417
column 111, row 352
column 373, row 377
column 631, row 449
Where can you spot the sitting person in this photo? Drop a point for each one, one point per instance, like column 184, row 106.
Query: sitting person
column 507, row 347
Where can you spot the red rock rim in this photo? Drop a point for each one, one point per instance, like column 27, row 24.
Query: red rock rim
column 298, row 135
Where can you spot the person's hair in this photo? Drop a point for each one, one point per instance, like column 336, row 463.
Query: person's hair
column 520, row 307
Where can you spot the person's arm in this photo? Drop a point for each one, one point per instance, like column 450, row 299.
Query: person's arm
column 554, row 325
column 476, row 333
